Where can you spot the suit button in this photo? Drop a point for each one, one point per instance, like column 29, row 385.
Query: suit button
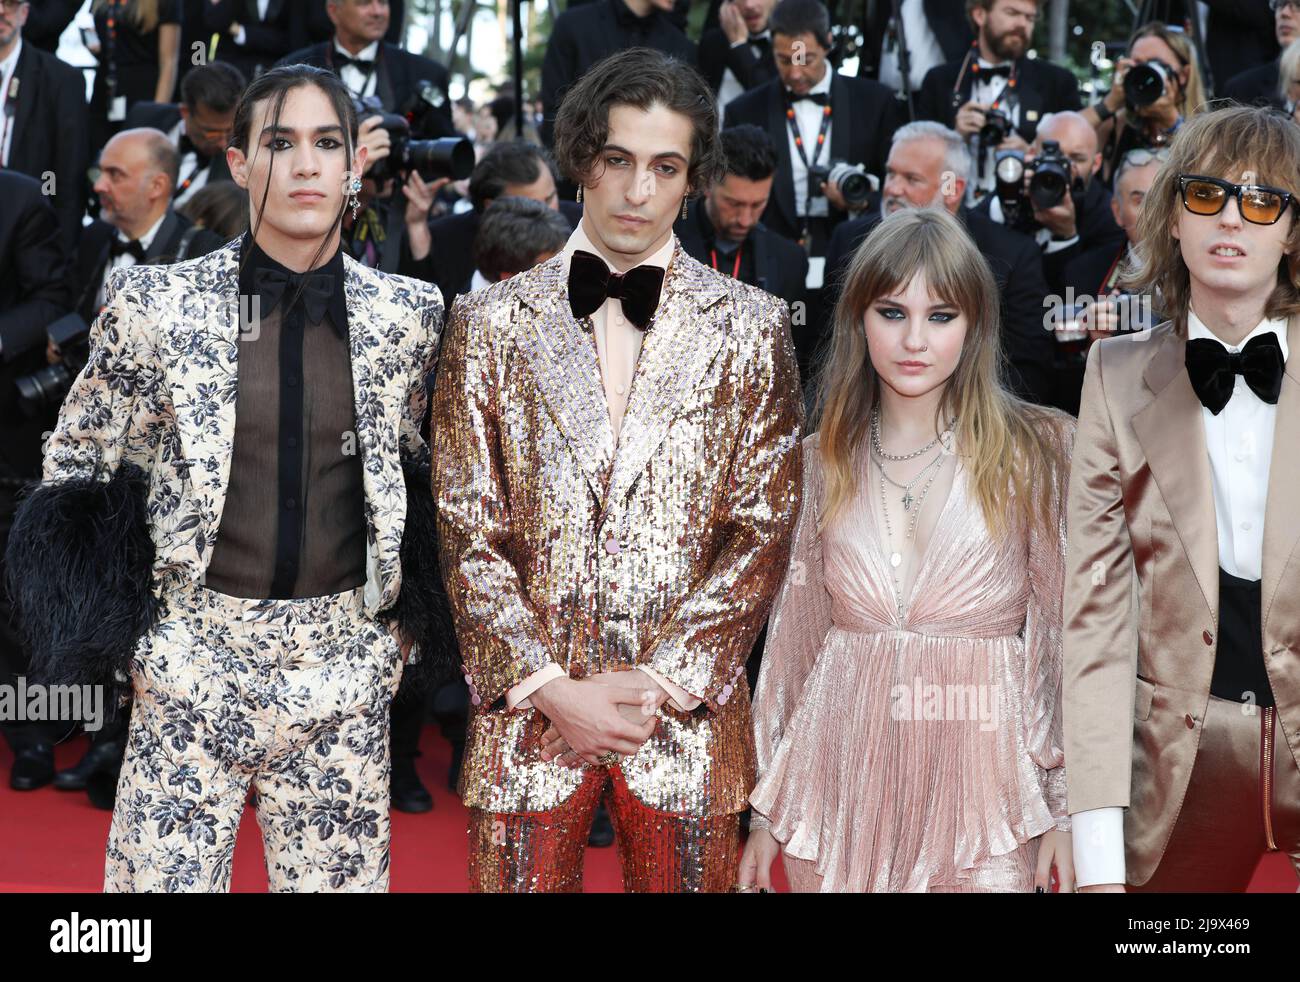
column 1191, row 723
column 612, row 546
column 1207, row 637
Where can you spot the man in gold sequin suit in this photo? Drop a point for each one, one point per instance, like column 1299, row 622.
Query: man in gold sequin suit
column 617, row 475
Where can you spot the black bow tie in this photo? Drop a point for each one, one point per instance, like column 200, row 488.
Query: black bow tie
column 116, row 247
column 317, row 289
column 187, row 146
column 821, row 98
column 591, row 283
column 363, row 65
column 1212, row 368
column 993, row 71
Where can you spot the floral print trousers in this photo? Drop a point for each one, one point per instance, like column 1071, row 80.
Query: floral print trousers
column 288, row 698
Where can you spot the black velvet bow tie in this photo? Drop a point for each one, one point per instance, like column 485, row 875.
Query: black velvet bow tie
column 591, row 283
column 1212, row 369
column 187, row 146
column 821, row 98
column 317, row 289
column 363, row 65
column 116, row 247
column 992, row 71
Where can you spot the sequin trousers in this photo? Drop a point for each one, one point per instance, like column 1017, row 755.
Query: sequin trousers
column 542, row 852
column 288, row 697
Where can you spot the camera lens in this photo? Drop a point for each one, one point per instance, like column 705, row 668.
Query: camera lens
column 1143, row 85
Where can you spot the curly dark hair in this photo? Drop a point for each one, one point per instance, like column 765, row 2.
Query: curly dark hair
column 641, row 78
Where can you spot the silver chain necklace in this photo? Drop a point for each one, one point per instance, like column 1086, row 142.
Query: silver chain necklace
column 880, row 450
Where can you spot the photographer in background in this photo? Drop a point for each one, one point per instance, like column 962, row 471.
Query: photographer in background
column 33, row 295
column 1157, row 86
column 995, row 96
column 1259, row 85
column 1050, row 194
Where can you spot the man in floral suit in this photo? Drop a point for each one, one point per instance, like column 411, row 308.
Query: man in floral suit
column 234, row 508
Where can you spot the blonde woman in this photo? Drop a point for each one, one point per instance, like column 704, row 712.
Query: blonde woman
column 1152, row 125
column 907, row 713
column 138, row 49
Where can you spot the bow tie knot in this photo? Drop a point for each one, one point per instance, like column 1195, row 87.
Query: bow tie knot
column 1212, row 369
column 119, row 247
column 363, row 65
column 821, row 98
column 591, row 283
column 993, row 71
column 316, row 291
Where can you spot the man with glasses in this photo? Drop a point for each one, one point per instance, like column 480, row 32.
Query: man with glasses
column 200, row 127
column 1181, row 682
column 1258, row 86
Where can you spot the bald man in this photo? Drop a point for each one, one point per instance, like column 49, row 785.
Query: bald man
column 137, row 172
column 1083, row 220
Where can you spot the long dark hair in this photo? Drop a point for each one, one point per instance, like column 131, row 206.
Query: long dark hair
column 275, row 85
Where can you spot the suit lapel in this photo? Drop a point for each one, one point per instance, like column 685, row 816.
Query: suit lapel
column 1282, row 508
column 678, row 349
column 841, row 119
column 367, row 385
column 164, row 243
column 779, row 130
column 1173, row 439
column 562, row 355
column 28, row 84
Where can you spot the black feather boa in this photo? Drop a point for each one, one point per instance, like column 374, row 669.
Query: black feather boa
column 423, row 611
column 79, row 569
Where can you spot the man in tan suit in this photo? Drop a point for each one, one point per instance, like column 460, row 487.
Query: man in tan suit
column 617, row 476
column 1182, row 603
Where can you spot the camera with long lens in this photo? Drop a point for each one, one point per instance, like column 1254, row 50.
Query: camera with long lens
column 996, row 128
column 1145, row 83
column 44, row 390
column 1051, row 178
column 411, row 148
column 852, row 180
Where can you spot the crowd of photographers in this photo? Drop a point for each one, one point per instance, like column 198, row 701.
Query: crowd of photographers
column 947, row 108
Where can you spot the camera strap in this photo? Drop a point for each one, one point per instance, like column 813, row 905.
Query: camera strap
column 804, row 238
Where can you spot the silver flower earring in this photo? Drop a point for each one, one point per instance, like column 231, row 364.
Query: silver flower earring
column 579, row 196
column 354, row 201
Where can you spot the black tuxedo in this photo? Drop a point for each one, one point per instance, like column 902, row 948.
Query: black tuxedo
column 1086, row 271
column 399, row 71
column 34, row 292
column 778, row 266
column 1096, row 226
column 864, row 115
column 49, row 134
column 1017, row 266
column 452, row 251
column 1256, row 86
column 171, row 244
column 1239, row 34
column 716, row 55
column 947, row 18
column 587, row 33
column 1042, row 87
column 266, row 40
column 166, row 116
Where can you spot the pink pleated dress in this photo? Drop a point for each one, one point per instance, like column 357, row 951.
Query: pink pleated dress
column 914, row 752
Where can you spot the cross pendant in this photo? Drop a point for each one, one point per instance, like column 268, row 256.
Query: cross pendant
column 907, row 501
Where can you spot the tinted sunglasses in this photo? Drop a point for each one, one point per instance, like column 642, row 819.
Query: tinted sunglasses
column 1257, row 203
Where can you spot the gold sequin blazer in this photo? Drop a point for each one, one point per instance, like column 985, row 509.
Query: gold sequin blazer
column 558, row 546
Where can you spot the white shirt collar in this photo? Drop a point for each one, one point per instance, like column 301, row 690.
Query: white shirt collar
column 1196, row 329
column 825, row 84
column 11, row 63
column 146, row 240
column 368, row 53
column 478, row 281
column 580, row 240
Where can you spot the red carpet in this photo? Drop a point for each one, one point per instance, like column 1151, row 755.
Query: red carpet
column 54, row 840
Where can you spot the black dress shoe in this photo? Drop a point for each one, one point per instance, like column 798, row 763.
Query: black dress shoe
column 407, row 791
column 33, row 767
column 602, row 829
column 106, row 754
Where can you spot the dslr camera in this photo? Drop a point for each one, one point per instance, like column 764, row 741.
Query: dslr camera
column 852, row 180
column 1145, row 83
column 414, row 148
column 1051, row 178
column 43, row 390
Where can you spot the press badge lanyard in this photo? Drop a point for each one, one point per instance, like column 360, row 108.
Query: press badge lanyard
column 817, row 153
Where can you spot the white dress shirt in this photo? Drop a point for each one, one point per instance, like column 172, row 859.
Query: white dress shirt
column 360, row 83
column 922, row 45
column 241, row 36
column 808, row 117
column 126, row 259
column 618, row 347
column 7, row 69
column 186, row 171
column 985, row 90
column 1239, row 442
